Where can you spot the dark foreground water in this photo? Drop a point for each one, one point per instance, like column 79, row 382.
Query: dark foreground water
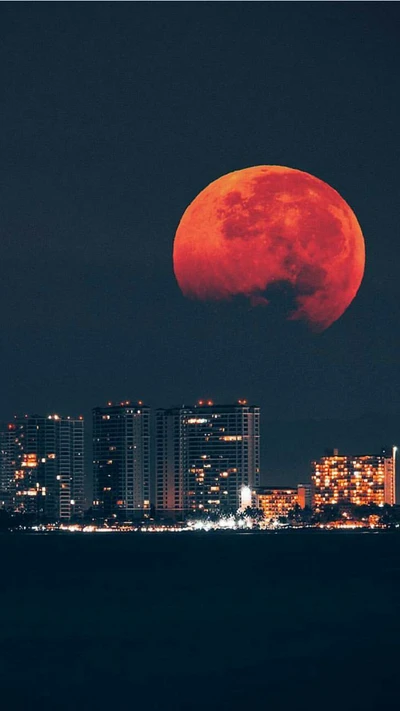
column 187, row 621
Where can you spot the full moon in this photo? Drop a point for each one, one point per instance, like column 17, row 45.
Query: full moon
column 266, row 230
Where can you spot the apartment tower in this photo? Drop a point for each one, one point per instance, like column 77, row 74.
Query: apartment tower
column 121, row 460
column 43, row 466
column 204, row 455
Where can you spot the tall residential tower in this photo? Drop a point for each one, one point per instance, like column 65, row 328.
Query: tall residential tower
column 121, row 460
column 204, row 455
column 43, row 466
column 9, row 447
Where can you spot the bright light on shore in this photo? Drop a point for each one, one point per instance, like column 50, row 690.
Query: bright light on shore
column 245, row 497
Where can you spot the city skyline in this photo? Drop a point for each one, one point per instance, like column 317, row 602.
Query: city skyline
column 171, row 462
column 299, row 440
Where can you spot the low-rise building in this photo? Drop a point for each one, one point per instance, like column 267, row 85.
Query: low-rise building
column 276, row 501
column 358, row 480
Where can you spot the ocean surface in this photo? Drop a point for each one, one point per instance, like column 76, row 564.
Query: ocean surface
column 300, row 620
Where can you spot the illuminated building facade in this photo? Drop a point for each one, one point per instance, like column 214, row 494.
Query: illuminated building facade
column 48, row 466
column 359, row 480
column 121, row 460
column 276, row 501
column 304, row 495
column 204, row 455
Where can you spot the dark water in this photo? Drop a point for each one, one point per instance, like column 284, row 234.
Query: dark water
column 147, row 621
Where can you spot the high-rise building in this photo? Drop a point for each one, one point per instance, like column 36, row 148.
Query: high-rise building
column 9, row 447
column 276, row 501
column 121, row 460
column 45, row 466
column 205, row 454
column 359, row 480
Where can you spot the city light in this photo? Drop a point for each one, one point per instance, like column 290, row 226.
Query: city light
column 361, row 480
column 201, row 464
column 245, row 497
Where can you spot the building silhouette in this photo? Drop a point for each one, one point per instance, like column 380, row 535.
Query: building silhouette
column 204, row 455
column 121, row 460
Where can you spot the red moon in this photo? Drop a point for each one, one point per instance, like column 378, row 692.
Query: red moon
column 269, row 227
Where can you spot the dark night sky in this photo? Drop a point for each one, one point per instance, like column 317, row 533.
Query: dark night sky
column 113, row 117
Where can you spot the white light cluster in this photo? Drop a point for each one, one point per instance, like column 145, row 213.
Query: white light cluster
column 223, row 523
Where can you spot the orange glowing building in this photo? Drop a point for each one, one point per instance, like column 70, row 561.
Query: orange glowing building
column 304, row 495
column 276, row 501
column 359, row 480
